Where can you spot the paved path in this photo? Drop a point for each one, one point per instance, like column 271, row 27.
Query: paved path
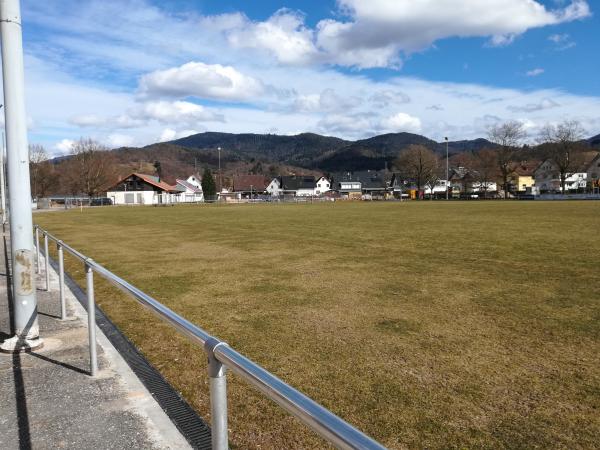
column 48, row 400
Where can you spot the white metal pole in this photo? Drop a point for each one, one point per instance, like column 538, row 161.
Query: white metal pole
column 19, row 191
column 447, row 170
column 2, row 182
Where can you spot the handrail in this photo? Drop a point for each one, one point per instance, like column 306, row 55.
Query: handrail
column 329, row 426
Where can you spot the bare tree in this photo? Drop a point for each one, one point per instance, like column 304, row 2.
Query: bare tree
column 417, row 163
column 433, row 177
column 562, row 146
column 508, row 137
column 90, row 168
column 41, row 170
column 485, row 169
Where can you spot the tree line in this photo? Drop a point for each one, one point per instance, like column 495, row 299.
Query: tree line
column 89, row 169
column 559, row 143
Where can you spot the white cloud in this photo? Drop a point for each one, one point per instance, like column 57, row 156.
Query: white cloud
column 558, row 38
column 117, row 140
column 379, row 29
column 284, row 35
column 169, row 134
column 401, row 122
column 562, row 41
column 546, row 103
column 535, row 72
column 196, row 79
column 64, row 146
column 327, row 101
column 177, row 111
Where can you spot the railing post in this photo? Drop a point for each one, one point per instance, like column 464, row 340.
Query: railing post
column 37, row 249
column 217, row 383
column 91, row 311
column 61, row 280
column 46, row 261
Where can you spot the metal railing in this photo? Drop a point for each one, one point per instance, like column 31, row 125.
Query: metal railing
column 220, row 357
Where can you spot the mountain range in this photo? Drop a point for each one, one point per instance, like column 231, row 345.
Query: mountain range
column 273, row 154
column 316, row 152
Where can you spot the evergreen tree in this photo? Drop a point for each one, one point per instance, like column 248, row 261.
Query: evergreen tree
column 209, row 187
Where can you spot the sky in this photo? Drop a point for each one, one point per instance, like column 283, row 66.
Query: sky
column 135, row 72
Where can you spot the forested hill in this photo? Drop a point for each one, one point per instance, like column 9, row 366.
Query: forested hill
column 313, row 151
column 299, row 150
column 276, row 154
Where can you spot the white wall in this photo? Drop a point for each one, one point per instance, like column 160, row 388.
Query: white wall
column 323, row 185
column 274, row 188
column 132, row 197
column 305, row 192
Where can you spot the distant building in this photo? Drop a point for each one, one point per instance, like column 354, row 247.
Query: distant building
column 323, row 185
column 189, row 190
column 141, row 189
column 547, row 175
column 247, row 186
column 593, row 171
column 354, row 185
column 464, row 181
column 522, row 179
column 274, row 188
column 298, row 185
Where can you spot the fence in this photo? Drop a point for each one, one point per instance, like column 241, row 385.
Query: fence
column 220, row 356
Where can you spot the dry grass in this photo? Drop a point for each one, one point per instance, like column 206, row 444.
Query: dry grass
column 427, row 325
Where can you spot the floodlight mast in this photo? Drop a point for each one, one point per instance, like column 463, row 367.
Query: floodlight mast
column 19, row 191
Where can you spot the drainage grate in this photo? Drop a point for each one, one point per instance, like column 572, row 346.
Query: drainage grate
column 189, row 423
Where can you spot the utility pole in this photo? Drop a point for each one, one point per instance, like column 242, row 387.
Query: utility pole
column 220, row 179
column 19, row 191
column 447, row 170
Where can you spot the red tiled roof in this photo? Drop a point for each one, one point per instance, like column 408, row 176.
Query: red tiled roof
column 526, row 168
column 150, row 179
column 245, row 182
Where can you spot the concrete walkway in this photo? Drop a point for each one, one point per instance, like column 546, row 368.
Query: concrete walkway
column 47, row 398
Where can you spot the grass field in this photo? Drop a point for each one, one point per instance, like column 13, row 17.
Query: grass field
column 425, row 324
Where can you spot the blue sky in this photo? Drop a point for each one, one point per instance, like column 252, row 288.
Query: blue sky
column 133, row 72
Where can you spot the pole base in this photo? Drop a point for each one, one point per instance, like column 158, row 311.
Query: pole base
column 17, row 344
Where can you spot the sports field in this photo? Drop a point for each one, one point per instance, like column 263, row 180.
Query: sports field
column 425, row 324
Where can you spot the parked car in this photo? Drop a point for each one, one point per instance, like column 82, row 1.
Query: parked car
column 101, row 201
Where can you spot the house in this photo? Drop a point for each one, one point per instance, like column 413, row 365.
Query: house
column 353, row 185
column 522, row 178
column 348, row 186
column 465, row 181
column 547, row 175
column 141, row 189
column 593, row 171
column 189, row 190
column 398, row 185
column 249, row 186
column 274, row 188
column 298, row 185
column 323, row 185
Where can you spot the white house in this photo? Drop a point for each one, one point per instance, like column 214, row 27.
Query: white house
column 439, row 187
column 274, row 188
column 323, row 185
column 141, row 189
column 190, row 190
column 547, row 178
column 593, row 171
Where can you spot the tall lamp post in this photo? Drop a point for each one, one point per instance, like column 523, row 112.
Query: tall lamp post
column 26, row 326
column 220, row 180
column 447, row 169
